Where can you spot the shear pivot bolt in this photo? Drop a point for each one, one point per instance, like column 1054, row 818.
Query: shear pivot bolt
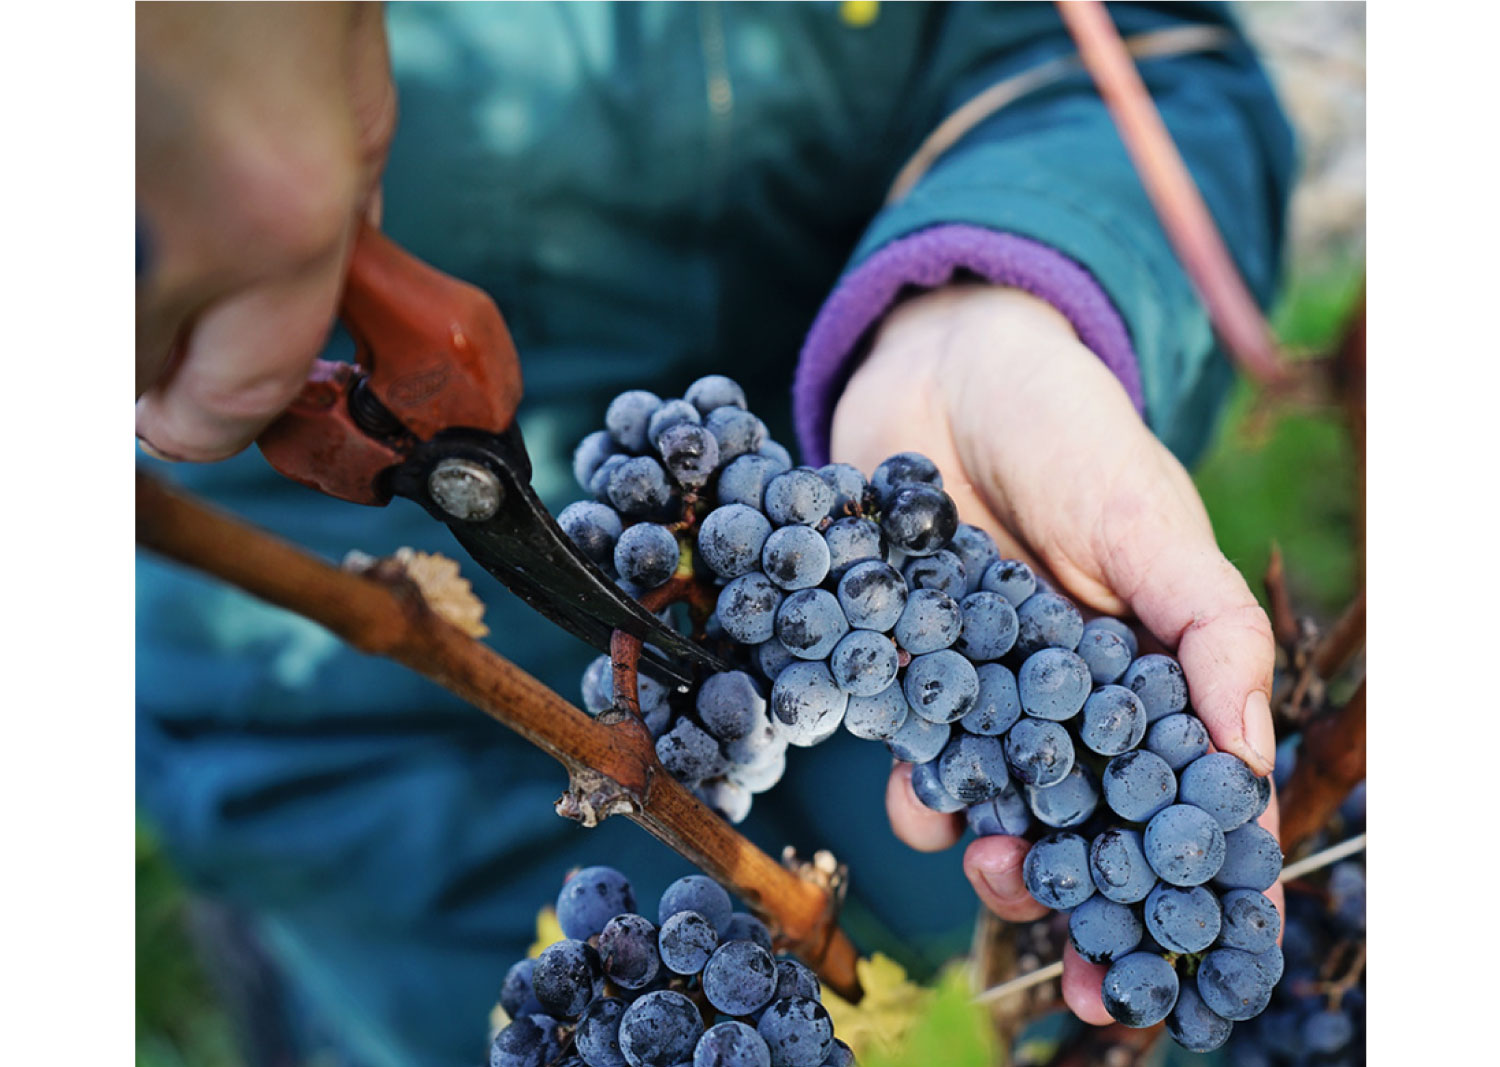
column 465, row 489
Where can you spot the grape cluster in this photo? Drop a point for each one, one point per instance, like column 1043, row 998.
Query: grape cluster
column 623, row 991
column 1317, row 1013
column 865, row 603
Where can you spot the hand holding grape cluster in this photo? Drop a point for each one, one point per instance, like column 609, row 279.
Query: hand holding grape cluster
column 867, row 604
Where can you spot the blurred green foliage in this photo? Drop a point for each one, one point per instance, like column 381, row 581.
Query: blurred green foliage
column 1285, row 475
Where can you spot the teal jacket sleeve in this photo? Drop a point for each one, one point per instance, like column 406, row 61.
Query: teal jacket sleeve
column 1043, row 195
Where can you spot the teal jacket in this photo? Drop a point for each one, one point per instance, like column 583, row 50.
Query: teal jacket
column 651, row 192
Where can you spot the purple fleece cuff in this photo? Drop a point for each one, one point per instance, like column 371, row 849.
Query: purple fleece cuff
column 928, row 259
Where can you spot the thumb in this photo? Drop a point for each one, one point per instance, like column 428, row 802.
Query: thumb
column 1173, row 576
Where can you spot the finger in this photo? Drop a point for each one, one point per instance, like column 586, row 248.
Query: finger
column 993, row 867
column 243, row 361
column 1171, row 572
column 1082, row 987
column 914, row 822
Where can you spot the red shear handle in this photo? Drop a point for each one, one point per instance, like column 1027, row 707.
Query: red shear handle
column 433, row 350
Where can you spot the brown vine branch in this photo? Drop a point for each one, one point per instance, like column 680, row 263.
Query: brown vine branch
column 1343, row 642
column 611, row 763
column 1330, row 762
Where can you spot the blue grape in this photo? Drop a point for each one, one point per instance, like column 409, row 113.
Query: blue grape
column 1184, row 845
column 772, row 657
column 927, row 784
column 627, row 951
column 1327, row 1031
column 730, row 705
column 739, row 978
column 1159, row 682
column 1067, row 804
column 590, row 898
column 853, row 540
column 730, row 539
column 695, row 892
column 989, row 626
column 1116, row 627
column 1106, row 653
column 1056, row 871
column 798, row 1032
column 737, row 431
column 1053, row 683
column 1046, row 620
column 761, row 774
column 796, row 979
column 1252, row 859
column 628, row 417
column 999, row 703
column 690, row 453
column 942, row 571
column 904, row 468
column 930, row 621
column 972, row 768
column 1011, row 578
column 1004, row 813
column 1040, row 752
column 638, row 487
column 919, row 519
column 1251, row 921
column 848, row 485
column 864, row 663
column 808, row 703
column 1118, row 863
column 594, row 528
column 1102, row 930
column 714, row 391
column 567, row 978
column 744, row 481
column 646, row 554
column 1193, row 1026
column 598, row 685
column 603, row 475
column 671, row 413
column 941, row 686
column 776, row 453
column 798, row 497
column 976, row 550
column 810, row 623
column 1140, row 989
column 841, row 1056
column 795, row 557
column 730, row 799
column 1346, row 891
column 1113, row 720
column 878, row 717
column 873, row 596
column 1138, row 784
column 590, row 455
column 597, row 1039
column 1183, row 919
column 746, row 927
column 1179, row 739
column 1225, row 787
column 747, row 608
column 686, row 941
column 917, row 740
column 731, row 1044
column 530, row 1041
column 660, row 1030
column 689, row 753
column 1234, row 984
column 516, row 995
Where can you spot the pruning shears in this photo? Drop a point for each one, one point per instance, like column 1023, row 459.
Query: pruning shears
column 427, row 411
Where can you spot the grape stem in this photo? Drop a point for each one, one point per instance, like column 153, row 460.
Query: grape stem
column 611, row 761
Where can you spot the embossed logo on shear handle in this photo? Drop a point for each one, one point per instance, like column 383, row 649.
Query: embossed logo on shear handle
column 420, row 387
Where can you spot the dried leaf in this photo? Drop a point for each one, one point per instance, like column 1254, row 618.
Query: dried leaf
column 548, row 932
column 447, row 592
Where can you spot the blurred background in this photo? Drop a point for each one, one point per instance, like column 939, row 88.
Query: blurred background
column 1282, row 470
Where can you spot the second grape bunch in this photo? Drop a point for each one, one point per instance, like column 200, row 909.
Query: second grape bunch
column 865, row 604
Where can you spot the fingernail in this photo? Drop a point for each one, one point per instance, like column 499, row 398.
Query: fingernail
column 1005, row 883
column 1260, row 735
column 154, row 452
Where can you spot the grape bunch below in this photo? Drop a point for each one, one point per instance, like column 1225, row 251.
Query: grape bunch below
column 697, row 985
column 866, row 604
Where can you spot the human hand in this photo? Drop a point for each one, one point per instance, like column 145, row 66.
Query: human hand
column 1039, row 444
column 261, row 133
